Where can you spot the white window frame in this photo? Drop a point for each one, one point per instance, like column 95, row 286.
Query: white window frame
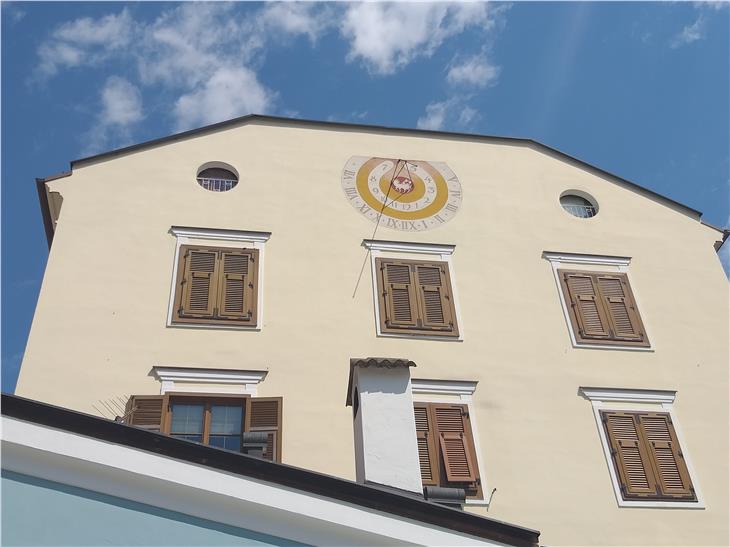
column 446, row 391
column 433, row 252
column 177, row 379
column 640, row 400
column 219, row 238
column 575, row 261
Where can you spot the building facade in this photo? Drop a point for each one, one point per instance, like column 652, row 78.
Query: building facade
column 401, row 307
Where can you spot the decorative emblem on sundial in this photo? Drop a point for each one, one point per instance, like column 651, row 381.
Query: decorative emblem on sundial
column 401, row 194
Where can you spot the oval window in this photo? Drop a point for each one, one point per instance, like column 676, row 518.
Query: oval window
column 580, row 206
column 217, row 179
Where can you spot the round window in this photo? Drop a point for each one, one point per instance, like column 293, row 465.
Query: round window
column 217, row 179
column 579, row 205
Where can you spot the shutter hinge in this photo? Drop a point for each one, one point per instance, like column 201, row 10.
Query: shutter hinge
column 250, row 284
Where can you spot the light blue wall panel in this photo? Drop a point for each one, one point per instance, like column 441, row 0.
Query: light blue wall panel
column 38, row 512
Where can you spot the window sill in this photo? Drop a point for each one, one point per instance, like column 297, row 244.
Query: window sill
column 612, row 347
column 416, row 336
column 662, row 504
column 254, row 328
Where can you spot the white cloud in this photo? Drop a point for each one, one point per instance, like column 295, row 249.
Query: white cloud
column 474, row 71
column 690, row 33
column 714, row 5
column 84, row 41
column 121, row 109
column 387, row 36
column 434, row 117
column 467, row 115
column 121, row 103
column 230, row 92
column 297, row 18
column 451, row 114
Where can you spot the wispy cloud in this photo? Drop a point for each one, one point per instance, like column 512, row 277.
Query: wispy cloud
column 387, row 36
column 228, row 92
column 211, row 75
column 475, row 71
column 121, row 109
column 453, row 113
column 697, row 30
column 84, row 41
column 690, row 33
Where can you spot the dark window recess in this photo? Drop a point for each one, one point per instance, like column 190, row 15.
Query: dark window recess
column 446, row 447
column 217, row 179
column 216, row 286
column 415, row 297
column 602, row 308
column 243, row 424
column 647, row 457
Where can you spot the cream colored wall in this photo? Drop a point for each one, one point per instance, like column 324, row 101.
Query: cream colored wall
column 100, row 321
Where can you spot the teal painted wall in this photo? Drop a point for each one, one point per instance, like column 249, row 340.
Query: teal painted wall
column 38, row 512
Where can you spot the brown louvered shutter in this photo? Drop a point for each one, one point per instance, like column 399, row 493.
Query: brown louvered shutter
column 264, row 414
column 145, row 411
column 398, row 294
column 584, row 305
column 629, row 455
column 620, row 307
column 426, row 445
column 199, row 282
column 434, row 297
column 457, row 446
column 237, row 285
column 666, row 456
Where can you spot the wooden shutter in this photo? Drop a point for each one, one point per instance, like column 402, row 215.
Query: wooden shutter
column 146, row 411
column 415, row 297
column 237, row 285
column 198, row 286
column 618, row 301
column 456, row 443
column 584, row 305
column 400, row 308
column 433, row 295
column 630, row 457
column 264, row 414
column 426, row 445
column 672, row 476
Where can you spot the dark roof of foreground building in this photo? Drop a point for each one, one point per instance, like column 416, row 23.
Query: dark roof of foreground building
column 365, row 495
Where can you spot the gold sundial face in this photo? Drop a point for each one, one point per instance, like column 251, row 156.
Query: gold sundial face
column 408, row 195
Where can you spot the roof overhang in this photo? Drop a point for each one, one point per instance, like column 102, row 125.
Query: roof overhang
column 71, row 448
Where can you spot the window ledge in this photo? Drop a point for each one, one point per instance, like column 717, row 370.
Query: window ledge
column 244, row 382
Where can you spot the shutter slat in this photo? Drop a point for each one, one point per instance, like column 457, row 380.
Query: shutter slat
column 629, row 455
column 264, row 414
column 237, row 285
column 145, row 411
column 199, row 282
column 435, row 307
column 399, row 295
column 426, row 446
column 585, row 309
column 672, row 474
column 455, row 443
column 619, row 304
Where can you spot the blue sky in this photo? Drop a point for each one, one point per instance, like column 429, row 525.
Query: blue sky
column 639, row 89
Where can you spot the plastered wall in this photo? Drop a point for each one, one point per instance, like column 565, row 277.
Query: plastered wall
column 100, row 323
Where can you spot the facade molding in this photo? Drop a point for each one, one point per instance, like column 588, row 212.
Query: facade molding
column 220, row 380
column 399, row 246
column 602, row 395
column 440, row 252
column 443, row 391
column 220, row 238
column 621, row 265
column 640, row 400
